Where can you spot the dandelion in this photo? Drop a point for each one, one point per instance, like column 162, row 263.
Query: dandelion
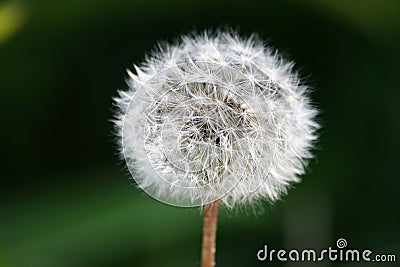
column 215, row 118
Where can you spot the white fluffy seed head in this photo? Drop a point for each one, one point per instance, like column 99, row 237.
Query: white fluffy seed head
column 215, row 116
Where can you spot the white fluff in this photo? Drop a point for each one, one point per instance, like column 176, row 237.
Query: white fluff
column 215, row 116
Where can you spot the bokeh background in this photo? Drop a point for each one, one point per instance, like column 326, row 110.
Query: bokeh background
column 67, row 201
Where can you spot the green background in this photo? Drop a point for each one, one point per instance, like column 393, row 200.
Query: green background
column 67, row 201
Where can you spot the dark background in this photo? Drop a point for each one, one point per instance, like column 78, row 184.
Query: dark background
column 65, row 198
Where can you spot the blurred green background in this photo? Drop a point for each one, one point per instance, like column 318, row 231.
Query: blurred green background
column 67, row 201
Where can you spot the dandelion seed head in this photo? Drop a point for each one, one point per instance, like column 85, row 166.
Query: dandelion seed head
column 215, row 116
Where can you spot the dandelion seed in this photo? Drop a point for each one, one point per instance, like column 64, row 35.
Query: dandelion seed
column 213, row 117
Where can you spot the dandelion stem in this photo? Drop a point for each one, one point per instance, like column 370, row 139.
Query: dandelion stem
column 209, row 234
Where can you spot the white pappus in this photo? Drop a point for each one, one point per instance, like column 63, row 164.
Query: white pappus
column 215, row 116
